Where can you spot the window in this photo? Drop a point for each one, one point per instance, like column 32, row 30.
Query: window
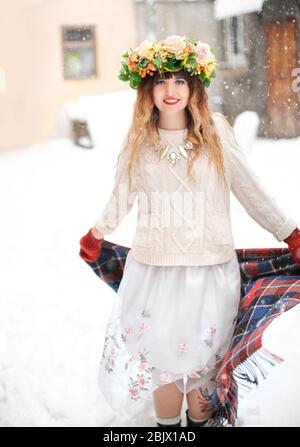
column 234, row 47
column 79, row 52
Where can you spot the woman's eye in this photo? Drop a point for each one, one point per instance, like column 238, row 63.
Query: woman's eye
column 178, row 80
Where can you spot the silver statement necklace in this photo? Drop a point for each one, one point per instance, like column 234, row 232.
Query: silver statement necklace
column 175, row 153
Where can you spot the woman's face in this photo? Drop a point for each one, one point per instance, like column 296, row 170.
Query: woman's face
column 176, row 88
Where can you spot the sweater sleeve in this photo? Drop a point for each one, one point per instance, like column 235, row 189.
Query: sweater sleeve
column 120, row 201
column 251, row 192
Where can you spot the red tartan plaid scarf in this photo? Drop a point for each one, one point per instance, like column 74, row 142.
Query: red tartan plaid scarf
column 270, row 285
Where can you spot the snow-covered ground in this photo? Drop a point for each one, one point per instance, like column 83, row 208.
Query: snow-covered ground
column 54, row 309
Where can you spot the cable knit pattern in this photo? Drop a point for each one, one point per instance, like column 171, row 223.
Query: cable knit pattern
column 185, row 223
column 120, row 201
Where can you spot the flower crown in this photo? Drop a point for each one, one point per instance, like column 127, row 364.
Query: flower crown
column 171, row 54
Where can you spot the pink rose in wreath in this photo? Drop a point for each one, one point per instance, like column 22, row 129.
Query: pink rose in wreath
column 203, row 53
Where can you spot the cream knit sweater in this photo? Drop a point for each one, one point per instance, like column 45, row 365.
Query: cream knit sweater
column 183, row 223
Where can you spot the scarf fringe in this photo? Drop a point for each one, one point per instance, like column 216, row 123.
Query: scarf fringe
column 246, row 374
column 223, row 402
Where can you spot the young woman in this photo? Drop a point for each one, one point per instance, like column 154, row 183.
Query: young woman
column 179, row 296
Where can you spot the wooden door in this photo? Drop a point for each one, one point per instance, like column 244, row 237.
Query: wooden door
column 282, row 114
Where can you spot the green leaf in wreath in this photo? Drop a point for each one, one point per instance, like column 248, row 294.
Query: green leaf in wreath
column 123, row 77
column 143, row 63
column 202, row 76
column 170, row 65
column 135, row 76
column 157, row 62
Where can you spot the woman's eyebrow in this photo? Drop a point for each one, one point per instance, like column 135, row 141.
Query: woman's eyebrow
column 174, row 77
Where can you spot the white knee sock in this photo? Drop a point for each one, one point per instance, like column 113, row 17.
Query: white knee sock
column 168, row 421
column 197, row 420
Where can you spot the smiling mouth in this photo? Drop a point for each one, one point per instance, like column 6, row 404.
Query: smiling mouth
column 171, row 101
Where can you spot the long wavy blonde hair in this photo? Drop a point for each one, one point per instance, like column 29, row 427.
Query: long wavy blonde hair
column 201, row 130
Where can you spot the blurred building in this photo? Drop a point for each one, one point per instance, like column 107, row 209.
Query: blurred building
column 54, row 51
column 260, row 53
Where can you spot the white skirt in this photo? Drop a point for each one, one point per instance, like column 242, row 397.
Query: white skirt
column 168, row 324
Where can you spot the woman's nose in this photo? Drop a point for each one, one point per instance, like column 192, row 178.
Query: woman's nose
column 170, row 90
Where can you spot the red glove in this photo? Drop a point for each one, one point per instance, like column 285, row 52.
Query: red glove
column 293, row 242
column 90, row 247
